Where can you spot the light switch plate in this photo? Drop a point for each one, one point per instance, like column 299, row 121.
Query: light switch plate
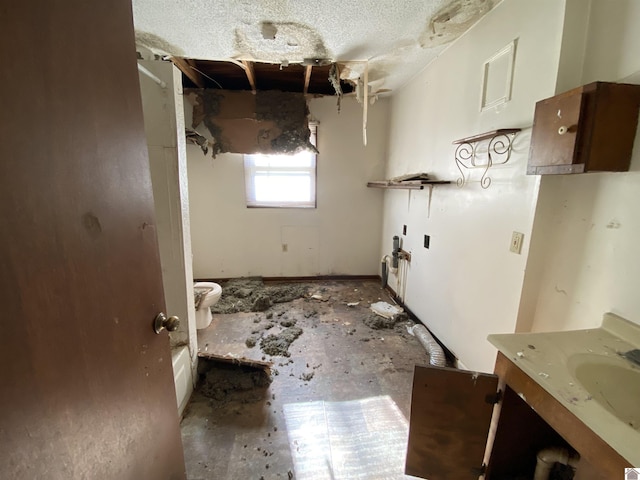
column 517, row 239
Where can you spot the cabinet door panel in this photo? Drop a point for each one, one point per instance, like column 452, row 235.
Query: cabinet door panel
column 555, row 132
column 450, row 416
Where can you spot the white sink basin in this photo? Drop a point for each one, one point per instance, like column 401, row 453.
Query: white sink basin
column 612, row 382
column 584, row 371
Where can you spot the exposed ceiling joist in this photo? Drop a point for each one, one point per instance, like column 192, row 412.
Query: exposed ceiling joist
column 186, row 67
column 251, row 76
column 307, row 77
column 231, row 74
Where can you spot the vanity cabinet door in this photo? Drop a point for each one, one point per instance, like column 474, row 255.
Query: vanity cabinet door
column 450, row 417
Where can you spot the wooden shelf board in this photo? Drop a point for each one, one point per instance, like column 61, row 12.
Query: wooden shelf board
column 410, row 185
column 487, row 135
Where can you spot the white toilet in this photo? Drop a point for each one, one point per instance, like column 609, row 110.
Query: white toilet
column 211, row 292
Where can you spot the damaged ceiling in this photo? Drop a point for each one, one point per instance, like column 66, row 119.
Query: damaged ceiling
column 290, row 45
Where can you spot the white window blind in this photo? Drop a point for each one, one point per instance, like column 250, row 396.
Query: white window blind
column 282, row 181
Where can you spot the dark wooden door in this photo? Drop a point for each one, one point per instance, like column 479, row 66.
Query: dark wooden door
column 86, row 390
column 450, row 417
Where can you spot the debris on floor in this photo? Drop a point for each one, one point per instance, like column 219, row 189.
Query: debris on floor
column 317, row 296
column 305, row 377
column 261, row 303
column 232, row 383
column 376, row 322
column 385, row 309
column 279, row 344
column 309, row 350
column 252, row 295
column 235, row 360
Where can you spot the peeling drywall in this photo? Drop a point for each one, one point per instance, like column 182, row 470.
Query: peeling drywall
column 157, row 44
column 453, row 20
column 441, row 28
column 242, row 122
column 279, row 42
column 396, row 38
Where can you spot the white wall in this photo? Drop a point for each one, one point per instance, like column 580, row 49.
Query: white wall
column 340, row 237
column 586, row 243
column 164, row 127
column 468, row 284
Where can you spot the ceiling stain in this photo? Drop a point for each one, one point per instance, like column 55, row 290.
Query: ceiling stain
column 286, row 31
column 269, row 31
column 442, row 28
column 453, row 20
column 157, row 44
column 278, row 42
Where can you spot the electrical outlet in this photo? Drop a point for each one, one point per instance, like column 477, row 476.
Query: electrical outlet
column 427, row 239
column 517, row 239
column 404, row 229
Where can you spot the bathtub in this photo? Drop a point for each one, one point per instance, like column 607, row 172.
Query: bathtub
column 182, row 376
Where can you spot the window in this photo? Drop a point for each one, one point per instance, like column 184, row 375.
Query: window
column 282, row 180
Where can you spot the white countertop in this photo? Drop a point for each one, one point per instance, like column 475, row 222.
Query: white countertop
column 544, row 357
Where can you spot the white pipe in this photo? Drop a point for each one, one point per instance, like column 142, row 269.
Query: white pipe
column 146, row 72
column 549, row 456
column 433, row 348
column 387, row 259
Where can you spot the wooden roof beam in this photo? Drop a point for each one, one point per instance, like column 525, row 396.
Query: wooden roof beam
column 307, row 78
column 251, row 75
column 187, row 67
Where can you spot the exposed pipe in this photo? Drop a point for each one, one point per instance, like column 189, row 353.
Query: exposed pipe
column 384, row 275
column 433, row 348
column 549, row 456
column 386, row 268
column 396, row 251
column 146, row 72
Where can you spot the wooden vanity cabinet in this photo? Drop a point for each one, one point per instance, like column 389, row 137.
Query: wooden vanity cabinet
column 465, row 424
column 588, row 129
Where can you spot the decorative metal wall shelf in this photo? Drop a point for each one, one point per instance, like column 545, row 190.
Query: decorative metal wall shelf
column 498, row 153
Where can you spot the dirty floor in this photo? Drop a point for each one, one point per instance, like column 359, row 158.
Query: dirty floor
column 334, row 405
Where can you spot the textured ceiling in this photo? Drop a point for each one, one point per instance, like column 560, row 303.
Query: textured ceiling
column 396, row 37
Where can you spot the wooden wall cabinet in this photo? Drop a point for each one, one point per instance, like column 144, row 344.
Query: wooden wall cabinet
column 456, row 414
column 587, row 129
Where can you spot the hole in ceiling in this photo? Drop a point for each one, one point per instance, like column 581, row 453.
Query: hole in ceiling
column 268, row 76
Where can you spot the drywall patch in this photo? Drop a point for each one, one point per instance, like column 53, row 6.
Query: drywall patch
column 279, row 41
column 242, row 122
column 453, row 20
column 156, row 44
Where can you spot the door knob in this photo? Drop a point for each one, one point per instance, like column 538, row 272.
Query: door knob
column 161, row 322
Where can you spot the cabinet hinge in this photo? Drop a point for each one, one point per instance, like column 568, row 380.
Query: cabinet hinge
column 479, row 471
column 494, row 398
